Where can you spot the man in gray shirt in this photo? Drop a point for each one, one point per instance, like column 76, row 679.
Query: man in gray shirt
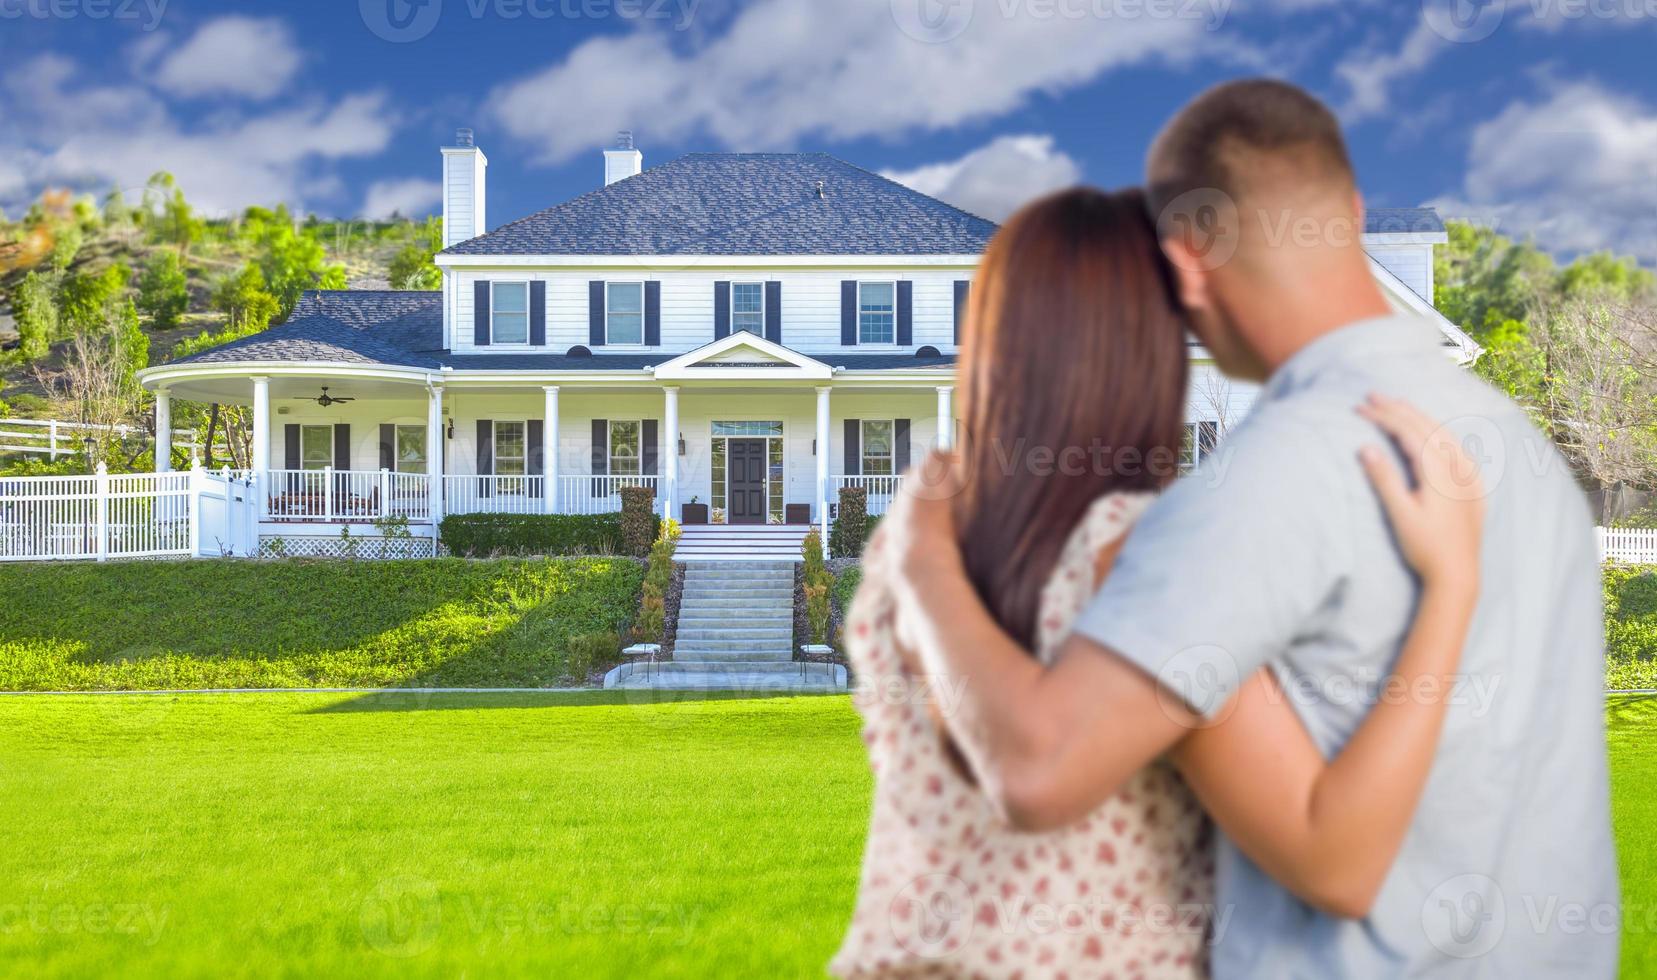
column 1279, row 556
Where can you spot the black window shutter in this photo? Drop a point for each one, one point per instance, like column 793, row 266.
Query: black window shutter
column 906, row 313
column 773, row 311
column 854, row 447
column 537, row 459
column 900, row 445
column 388, row 447
column 538, row 313
column 595, row 313
column 480, row 313
column 721, row 310
column 653, row 314
column 650, row 448
column 486, row 453
column 961, row 287
column 601, row 452
column 342, row 446
column 290, row 446
column 848, row 312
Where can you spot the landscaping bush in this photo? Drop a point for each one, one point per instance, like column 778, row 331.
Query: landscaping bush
column 1630, row 628
column 586, row 651
column 638, row 524
column 845, row 587
column 198, row 624
column 851, row 529
column 817, row 582
column 491, row 535
column 651, row 622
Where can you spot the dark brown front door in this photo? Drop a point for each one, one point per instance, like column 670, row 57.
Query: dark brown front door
column 745, row 473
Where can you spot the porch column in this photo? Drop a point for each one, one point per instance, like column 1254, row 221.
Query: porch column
column 163, row 431
column 261, row 426
column 549, row 447
column 670, row 471
column 946, row 417
column 823, row 461
column 434, row 451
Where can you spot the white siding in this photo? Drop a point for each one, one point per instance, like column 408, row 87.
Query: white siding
column 1411, row 263
column 810, row 307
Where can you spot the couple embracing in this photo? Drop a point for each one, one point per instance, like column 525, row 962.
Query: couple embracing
column 1221, row 725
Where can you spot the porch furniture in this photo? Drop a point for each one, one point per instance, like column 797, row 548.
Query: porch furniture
column 796, row 513
column 693, row 514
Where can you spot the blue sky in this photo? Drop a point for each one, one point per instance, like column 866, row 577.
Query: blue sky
column 1538, row 116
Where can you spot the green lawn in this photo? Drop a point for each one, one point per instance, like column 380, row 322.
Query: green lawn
column 446, row 835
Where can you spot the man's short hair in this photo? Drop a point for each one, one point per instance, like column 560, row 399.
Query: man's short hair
column 1247, row 135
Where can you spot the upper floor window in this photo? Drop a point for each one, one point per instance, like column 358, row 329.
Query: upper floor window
column 879, row 457
column 624, row 313
column 877, row 312
column 509, row 313
column 748, row 307
column 626, row 457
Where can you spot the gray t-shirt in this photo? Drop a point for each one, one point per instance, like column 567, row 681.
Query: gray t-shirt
column 1278, row 554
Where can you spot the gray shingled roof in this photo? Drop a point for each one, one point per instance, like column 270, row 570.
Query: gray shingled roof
column 405, row 329
column 743, row 204
column 1396, row 221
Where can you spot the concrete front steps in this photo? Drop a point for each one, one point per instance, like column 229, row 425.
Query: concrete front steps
column 740, row 542
column 735, row 633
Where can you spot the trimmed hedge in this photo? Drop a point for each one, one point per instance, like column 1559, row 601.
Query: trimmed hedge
column 1630, row 628
column 497, row 535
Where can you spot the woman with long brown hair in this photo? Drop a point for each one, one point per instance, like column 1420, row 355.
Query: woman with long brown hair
column 1073, row 380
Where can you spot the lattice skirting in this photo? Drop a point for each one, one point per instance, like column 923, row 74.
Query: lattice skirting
column 367, row 548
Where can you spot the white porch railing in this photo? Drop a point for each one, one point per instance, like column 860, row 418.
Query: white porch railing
column 1633, row 545
column 601, row 494
column 881, row 489
column 345, row 495
column 494, row 494
column 55, row 518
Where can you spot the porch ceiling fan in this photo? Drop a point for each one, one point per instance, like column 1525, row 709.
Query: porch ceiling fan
column 326, row 399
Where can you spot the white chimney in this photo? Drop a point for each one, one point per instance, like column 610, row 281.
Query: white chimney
column 463, row 182
column 623, row 161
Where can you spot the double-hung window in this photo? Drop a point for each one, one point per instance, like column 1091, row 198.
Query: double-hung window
column 624, row 313
column 748, row 307
column 878, row 448
column 509, row 313
column 626, row 456
column 877, row 312
column 316, row 447
column 511, row 455
column 410, row 449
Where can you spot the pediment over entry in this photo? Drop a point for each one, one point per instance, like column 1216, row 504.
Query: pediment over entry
column 743, row 355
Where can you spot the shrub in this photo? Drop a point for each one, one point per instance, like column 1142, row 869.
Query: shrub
column 658, row 576
column 638, row 523
column 818, row 581
column 484, row 535
column 35, row 309
column 582, row 653
column 854, row 527
column 845, row 587
column 162, row 293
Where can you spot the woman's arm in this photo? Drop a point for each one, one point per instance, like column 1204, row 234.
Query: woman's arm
column 1329, row 831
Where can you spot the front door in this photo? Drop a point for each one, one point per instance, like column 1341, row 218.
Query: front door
column 745, row 472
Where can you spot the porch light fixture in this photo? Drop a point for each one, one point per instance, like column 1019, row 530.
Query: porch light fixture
column 450, row 434
column 681, row 443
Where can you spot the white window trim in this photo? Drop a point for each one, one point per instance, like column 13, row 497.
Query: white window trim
column 781, row 438
column 750, row 282
column 863, row 447
column 528, row 313
column 877, row 343
column 610, row 447
column 396, row 434
column 332, row 438
column 644, row 330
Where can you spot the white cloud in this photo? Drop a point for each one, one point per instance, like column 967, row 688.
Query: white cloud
column 409, row 197
column 247, row 56
column 1370, row 76
column 786, row 70
column 995, row 179
column 1576, row 169
column 94, row 137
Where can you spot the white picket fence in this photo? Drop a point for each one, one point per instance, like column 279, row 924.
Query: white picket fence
column 137, row 515
column 1630, row 545
column 52, row 438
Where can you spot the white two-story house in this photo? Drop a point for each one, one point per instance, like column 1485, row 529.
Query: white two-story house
column 745, row 333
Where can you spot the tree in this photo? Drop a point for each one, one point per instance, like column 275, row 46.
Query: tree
column 245, row 302
column 67, row 238
column 87, row 302
column 412, row 266
column 35, row 308
column 99, row 375
column 173, row 220
column 132, row 346
column 163, row 293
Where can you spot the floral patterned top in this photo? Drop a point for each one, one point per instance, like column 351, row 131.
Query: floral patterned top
column 949, row 889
